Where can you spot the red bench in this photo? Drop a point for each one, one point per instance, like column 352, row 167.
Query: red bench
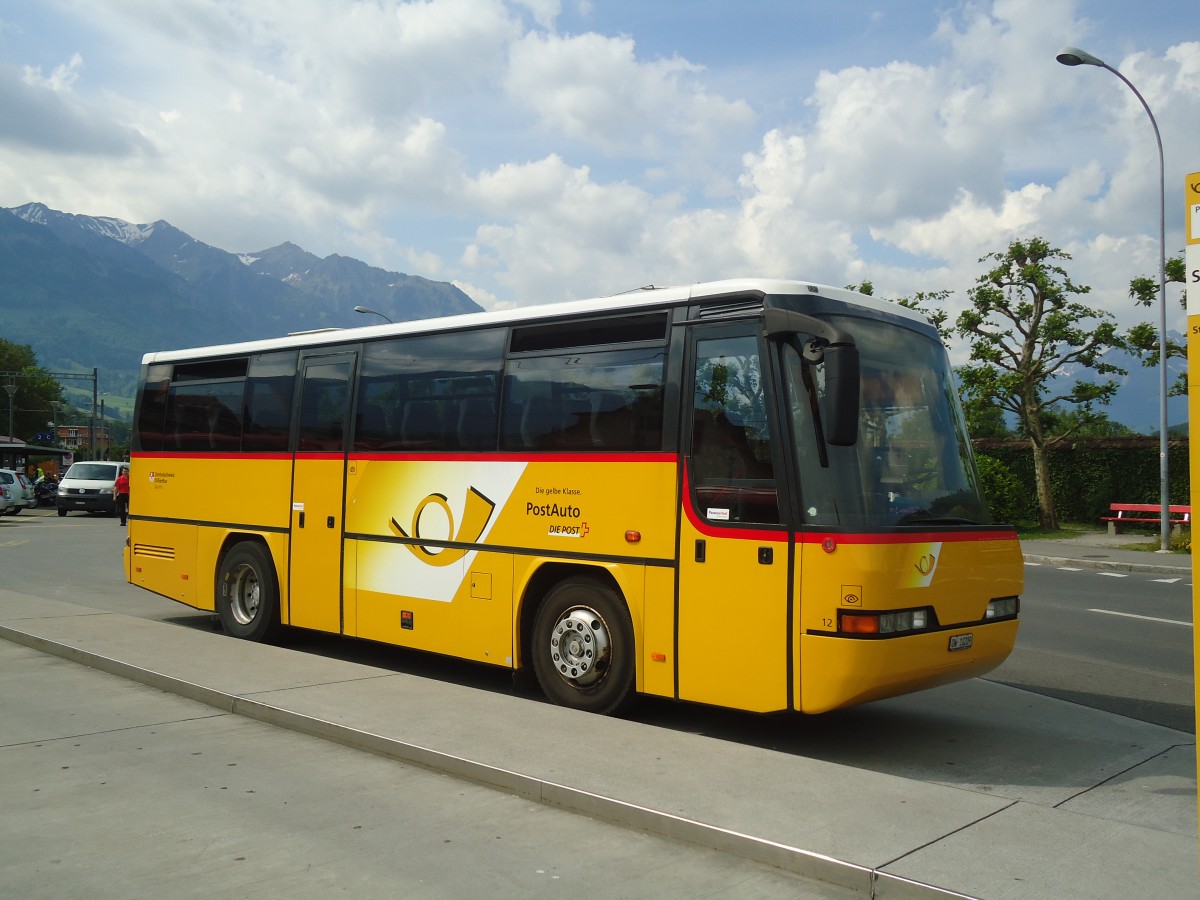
column 1145, row 514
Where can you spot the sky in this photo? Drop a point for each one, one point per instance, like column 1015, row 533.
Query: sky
column 533, row 151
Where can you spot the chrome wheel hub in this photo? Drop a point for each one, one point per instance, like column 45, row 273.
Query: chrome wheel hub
column 580, row 646
column 245, row 594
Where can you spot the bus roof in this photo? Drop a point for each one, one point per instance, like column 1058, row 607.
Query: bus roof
column 645, row 298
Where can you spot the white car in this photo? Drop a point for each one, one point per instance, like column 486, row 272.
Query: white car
column 5, row 500
column 21, row 490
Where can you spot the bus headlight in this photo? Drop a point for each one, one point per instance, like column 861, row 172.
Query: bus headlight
column 1002, row 608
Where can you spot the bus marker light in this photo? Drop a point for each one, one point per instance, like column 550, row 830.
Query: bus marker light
column 829, row 545
column 633, row 536
column 184, row 576
column 658, row 657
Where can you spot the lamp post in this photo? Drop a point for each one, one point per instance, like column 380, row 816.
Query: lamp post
column 1073, row 56
column 373, row 312
column 11, row 388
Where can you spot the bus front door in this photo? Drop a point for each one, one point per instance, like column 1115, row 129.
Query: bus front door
column 318, row 494
column 733, row 647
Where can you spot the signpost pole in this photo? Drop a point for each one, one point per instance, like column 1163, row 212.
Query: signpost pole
column 1191, row 283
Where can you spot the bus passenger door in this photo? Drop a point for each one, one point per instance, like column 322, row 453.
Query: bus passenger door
column 733, row 643
column 318, row 493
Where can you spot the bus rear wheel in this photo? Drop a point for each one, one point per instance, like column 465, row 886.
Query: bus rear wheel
column 583, row 647
column 248, row 594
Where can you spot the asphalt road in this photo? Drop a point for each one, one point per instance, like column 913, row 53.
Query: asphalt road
column 1112, row 641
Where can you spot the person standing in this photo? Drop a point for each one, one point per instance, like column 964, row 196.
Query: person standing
column 121, row 493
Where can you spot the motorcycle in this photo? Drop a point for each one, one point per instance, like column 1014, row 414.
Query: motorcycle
column 45, row 491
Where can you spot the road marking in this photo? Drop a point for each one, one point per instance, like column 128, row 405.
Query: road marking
column 1167, row 580
column 1068, row 569
column 1109, row 612
column 1114, row 574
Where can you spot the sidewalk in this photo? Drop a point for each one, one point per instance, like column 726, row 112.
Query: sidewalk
column 1071, row 803
column 1104, row 551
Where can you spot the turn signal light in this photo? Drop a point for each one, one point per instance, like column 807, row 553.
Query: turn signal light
column 860, row 623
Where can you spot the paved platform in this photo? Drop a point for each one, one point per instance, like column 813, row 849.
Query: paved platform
column 1105, row 807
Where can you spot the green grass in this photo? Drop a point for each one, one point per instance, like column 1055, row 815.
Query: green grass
column 1031, row 532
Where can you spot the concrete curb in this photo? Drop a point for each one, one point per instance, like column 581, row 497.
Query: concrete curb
column 1108, row 565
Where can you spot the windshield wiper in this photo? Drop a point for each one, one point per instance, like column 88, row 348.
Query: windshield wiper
column 923, row 518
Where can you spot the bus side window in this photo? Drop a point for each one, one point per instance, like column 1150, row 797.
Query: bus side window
column 731, row 470
column 323, row 401
column 152, row 408
column 431, row 393
column 592, row 401
column 267, row 415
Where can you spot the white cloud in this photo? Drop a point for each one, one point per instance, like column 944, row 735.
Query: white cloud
column 470, row 140
column 592, row 88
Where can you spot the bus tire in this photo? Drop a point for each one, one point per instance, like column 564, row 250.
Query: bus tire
column 583, row 646
column 247, row 593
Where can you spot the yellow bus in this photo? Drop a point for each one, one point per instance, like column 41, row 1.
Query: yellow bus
column 755, row 494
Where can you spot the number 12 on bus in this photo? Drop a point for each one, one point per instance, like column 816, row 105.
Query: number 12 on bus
column 753, row 494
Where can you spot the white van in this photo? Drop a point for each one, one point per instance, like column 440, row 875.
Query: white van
column 89, row 486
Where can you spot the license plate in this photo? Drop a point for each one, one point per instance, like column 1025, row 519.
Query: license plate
column 961, row 641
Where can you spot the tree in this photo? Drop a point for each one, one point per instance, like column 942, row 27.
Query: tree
column 920, row 302
column 1143, row 337
column 1024, row 329
column 36, row 390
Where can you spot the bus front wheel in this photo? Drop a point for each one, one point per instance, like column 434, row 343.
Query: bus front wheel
column 247, row 594
column 583, row 647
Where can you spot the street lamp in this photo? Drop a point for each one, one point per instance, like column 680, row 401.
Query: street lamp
column 373, row 312
column 1073, row 56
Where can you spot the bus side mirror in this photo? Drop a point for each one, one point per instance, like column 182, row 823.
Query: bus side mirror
column 840, row 410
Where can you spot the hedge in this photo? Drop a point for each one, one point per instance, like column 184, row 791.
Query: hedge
column 1086, row 475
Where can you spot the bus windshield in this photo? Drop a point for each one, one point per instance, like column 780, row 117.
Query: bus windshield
column 912, row 462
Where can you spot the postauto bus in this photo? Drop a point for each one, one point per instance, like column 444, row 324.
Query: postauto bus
column 755, row 494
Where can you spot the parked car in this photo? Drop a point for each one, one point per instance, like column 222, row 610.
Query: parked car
column 89, row 486
column 20, row 489
column 5, row 500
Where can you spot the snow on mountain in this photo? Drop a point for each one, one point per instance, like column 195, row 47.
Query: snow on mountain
column 106, row 226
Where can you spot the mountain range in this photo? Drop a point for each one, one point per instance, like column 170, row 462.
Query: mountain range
column 94, row 291
column 97, row 292
column 1136, row 404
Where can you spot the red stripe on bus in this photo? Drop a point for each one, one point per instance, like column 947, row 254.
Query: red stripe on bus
column 910, row 537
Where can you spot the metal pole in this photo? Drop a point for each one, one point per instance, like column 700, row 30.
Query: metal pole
column 11, row 388
column 1073, row 56
column 95, row 397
